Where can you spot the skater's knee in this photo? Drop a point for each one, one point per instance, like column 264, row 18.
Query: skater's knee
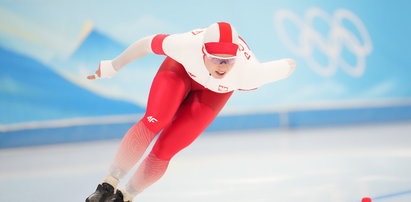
column 155, row 122
column 163, row 153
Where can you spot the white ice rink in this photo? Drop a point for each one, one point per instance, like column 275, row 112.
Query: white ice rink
column 340, row 164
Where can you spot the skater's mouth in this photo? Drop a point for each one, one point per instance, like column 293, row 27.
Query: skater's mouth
column 220, row 73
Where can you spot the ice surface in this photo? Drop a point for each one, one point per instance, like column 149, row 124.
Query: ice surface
column 338, row 164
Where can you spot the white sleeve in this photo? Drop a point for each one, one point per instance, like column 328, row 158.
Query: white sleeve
column 135, row 51
column 106, row 69
column 259, row 74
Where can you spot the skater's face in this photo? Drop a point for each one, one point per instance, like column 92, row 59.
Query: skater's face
column 218, row 65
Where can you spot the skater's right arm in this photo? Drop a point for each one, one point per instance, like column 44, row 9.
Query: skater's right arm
column 137, row 50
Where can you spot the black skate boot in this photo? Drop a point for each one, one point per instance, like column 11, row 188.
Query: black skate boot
column 117, row 197
column 103, row 192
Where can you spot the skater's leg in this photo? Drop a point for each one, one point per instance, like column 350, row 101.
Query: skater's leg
column 150, row 170
column 169, row 87
column 168, row 90
column 132, row 147
column 196, row 113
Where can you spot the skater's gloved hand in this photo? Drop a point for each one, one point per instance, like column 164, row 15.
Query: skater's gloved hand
column 292, row 63
column 105, row 70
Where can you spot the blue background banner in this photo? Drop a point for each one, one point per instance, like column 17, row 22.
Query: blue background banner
column 353, row 61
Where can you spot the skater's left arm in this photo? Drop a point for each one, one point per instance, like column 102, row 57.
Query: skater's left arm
column 276, row 70
column 263, row 73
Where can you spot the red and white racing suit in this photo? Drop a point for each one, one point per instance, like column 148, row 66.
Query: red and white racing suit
column 184, row 99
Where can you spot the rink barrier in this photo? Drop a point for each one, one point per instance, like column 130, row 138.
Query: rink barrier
column 114, row 127
column 348, row 116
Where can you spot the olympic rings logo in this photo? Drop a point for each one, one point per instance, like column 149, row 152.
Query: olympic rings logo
column 331, row 46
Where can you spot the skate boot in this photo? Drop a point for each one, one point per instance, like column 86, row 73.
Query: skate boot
column 117, row 197
column 103, row 192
